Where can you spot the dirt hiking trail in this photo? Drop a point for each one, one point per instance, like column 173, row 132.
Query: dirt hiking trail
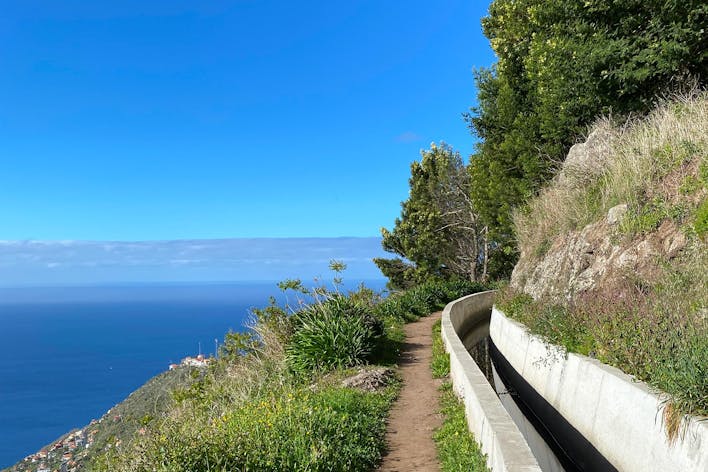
column 414, row 416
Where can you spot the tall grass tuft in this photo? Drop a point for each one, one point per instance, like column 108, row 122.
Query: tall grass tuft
column 337, row 333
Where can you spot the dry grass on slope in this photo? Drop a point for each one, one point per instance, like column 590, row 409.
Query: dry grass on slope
column 655, row 165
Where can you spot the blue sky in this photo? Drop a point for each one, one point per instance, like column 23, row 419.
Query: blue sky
column 178, row 119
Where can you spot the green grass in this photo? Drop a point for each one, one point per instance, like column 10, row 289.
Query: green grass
column 656, row 165
column 440, row 363
column 557, row 324
column 333, row 429
column 457, row 449
column 700, row 224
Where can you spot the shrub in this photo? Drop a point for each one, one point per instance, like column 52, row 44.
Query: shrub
column 426, row 298
column 337, row 333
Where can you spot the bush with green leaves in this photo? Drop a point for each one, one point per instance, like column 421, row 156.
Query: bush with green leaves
column 425, row 298
column 338, row 332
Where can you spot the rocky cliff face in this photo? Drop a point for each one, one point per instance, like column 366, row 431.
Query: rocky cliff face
column 594, row 256
column 580, row 260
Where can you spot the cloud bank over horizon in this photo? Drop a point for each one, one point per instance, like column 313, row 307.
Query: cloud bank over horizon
column 36, row 262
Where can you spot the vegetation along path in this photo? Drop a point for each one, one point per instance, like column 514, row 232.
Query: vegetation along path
column 415, row 415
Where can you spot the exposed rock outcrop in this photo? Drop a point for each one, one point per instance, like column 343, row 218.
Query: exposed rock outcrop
column 586, row 160
column 582, row 260
column 578, row 261
column 369, row 380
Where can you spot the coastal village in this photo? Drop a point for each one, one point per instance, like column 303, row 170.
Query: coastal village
column 68, row 453
column 199, row 361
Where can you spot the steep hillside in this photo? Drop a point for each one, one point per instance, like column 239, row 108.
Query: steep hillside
column 74, row 450
column 614, row 251
column 626, row 202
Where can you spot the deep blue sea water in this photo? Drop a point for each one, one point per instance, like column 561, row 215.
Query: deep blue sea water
column 69, row 354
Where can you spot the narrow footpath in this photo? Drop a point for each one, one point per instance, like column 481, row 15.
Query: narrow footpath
column 415, row 415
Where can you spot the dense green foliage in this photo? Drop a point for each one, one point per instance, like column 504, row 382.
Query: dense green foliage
column 425, row 298
column 560, row 65
column 274, row 400
column 437, row 234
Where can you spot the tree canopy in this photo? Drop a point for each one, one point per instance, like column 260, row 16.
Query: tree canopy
column 561, row 64
column 437, row 234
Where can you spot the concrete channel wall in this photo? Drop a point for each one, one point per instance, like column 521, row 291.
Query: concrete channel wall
column 492, row 426
column 621, row 417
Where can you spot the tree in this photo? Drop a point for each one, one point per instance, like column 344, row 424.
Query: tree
column 561, row 64
column 438, row 232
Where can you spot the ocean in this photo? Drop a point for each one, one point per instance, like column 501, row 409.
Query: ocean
column 71, row 353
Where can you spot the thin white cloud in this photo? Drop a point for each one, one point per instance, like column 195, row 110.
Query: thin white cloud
column 408, row 137
column 37, row 262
